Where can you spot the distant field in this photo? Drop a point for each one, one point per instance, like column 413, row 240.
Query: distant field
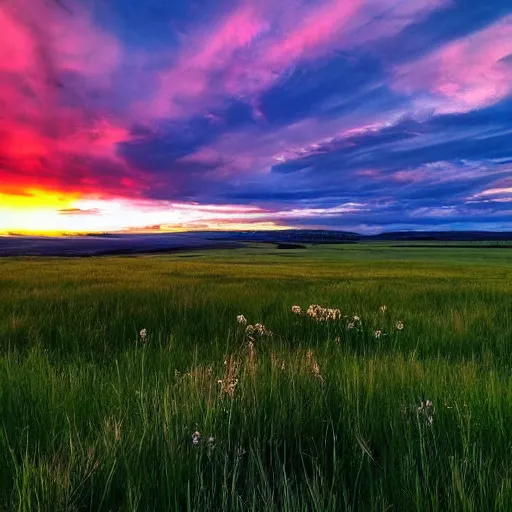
column 322, row 415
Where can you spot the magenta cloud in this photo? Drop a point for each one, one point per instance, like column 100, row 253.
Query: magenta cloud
column 466, row 74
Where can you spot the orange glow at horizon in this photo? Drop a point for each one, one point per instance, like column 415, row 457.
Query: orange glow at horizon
column 50, row 213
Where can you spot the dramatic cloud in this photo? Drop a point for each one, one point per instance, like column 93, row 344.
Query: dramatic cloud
column 466, row 74
column 364, row 114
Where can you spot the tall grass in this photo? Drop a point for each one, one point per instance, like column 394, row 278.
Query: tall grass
column 319, row 418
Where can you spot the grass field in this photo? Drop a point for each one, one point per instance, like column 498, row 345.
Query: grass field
column 320, row 416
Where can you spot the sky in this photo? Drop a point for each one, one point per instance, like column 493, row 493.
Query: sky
column 359, row 115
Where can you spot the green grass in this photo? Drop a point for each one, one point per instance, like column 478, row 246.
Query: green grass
column 94, row 419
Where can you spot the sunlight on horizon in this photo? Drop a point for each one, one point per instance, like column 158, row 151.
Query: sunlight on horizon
column 41, row 213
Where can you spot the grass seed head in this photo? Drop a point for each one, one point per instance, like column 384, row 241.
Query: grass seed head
column 229, row 382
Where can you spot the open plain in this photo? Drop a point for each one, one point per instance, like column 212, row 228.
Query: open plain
column 133, row 383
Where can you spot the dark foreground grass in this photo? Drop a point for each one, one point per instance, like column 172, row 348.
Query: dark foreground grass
column 317, row 417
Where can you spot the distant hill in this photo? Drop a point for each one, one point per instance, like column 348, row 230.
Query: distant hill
column 103, row 244
column 442, row 236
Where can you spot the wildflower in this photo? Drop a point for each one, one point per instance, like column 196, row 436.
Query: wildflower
column 257, row 330
column 143, row 335
column 262, row 330
column 323, row 314
column 399, row 325
column 378, row 334
column 196, row 437
column 356, row 318
column 333, row 314
column 297, row 310
column 426, row 409
column 314, row 311
column 425, row 405
column 241, row 319
column 351, row 325
column 383, row 308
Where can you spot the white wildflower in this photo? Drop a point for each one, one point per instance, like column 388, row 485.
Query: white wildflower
column 323, row 314
column 143, row 335
column 378, row 334
column 426, row 409
column 399, row 325
column 257, row 330
column 241, row 319
column 297, row 310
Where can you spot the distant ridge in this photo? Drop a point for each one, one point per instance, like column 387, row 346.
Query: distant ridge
column 443, row 236
column 130, row 243
column 331, row 236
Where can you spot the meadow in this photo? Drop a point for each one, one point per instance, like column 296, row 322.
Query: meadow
column 129, row 384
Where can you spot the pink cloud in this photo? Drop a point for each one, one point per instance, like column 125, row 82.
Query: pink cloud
column 17, row 49
column 45, row 37
column 499, row 190
column 320, row 27
column 255, row 150
column 41, row 42
column 466, row 74
column 258, row 44
column 189, row 77
column 410, row 176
